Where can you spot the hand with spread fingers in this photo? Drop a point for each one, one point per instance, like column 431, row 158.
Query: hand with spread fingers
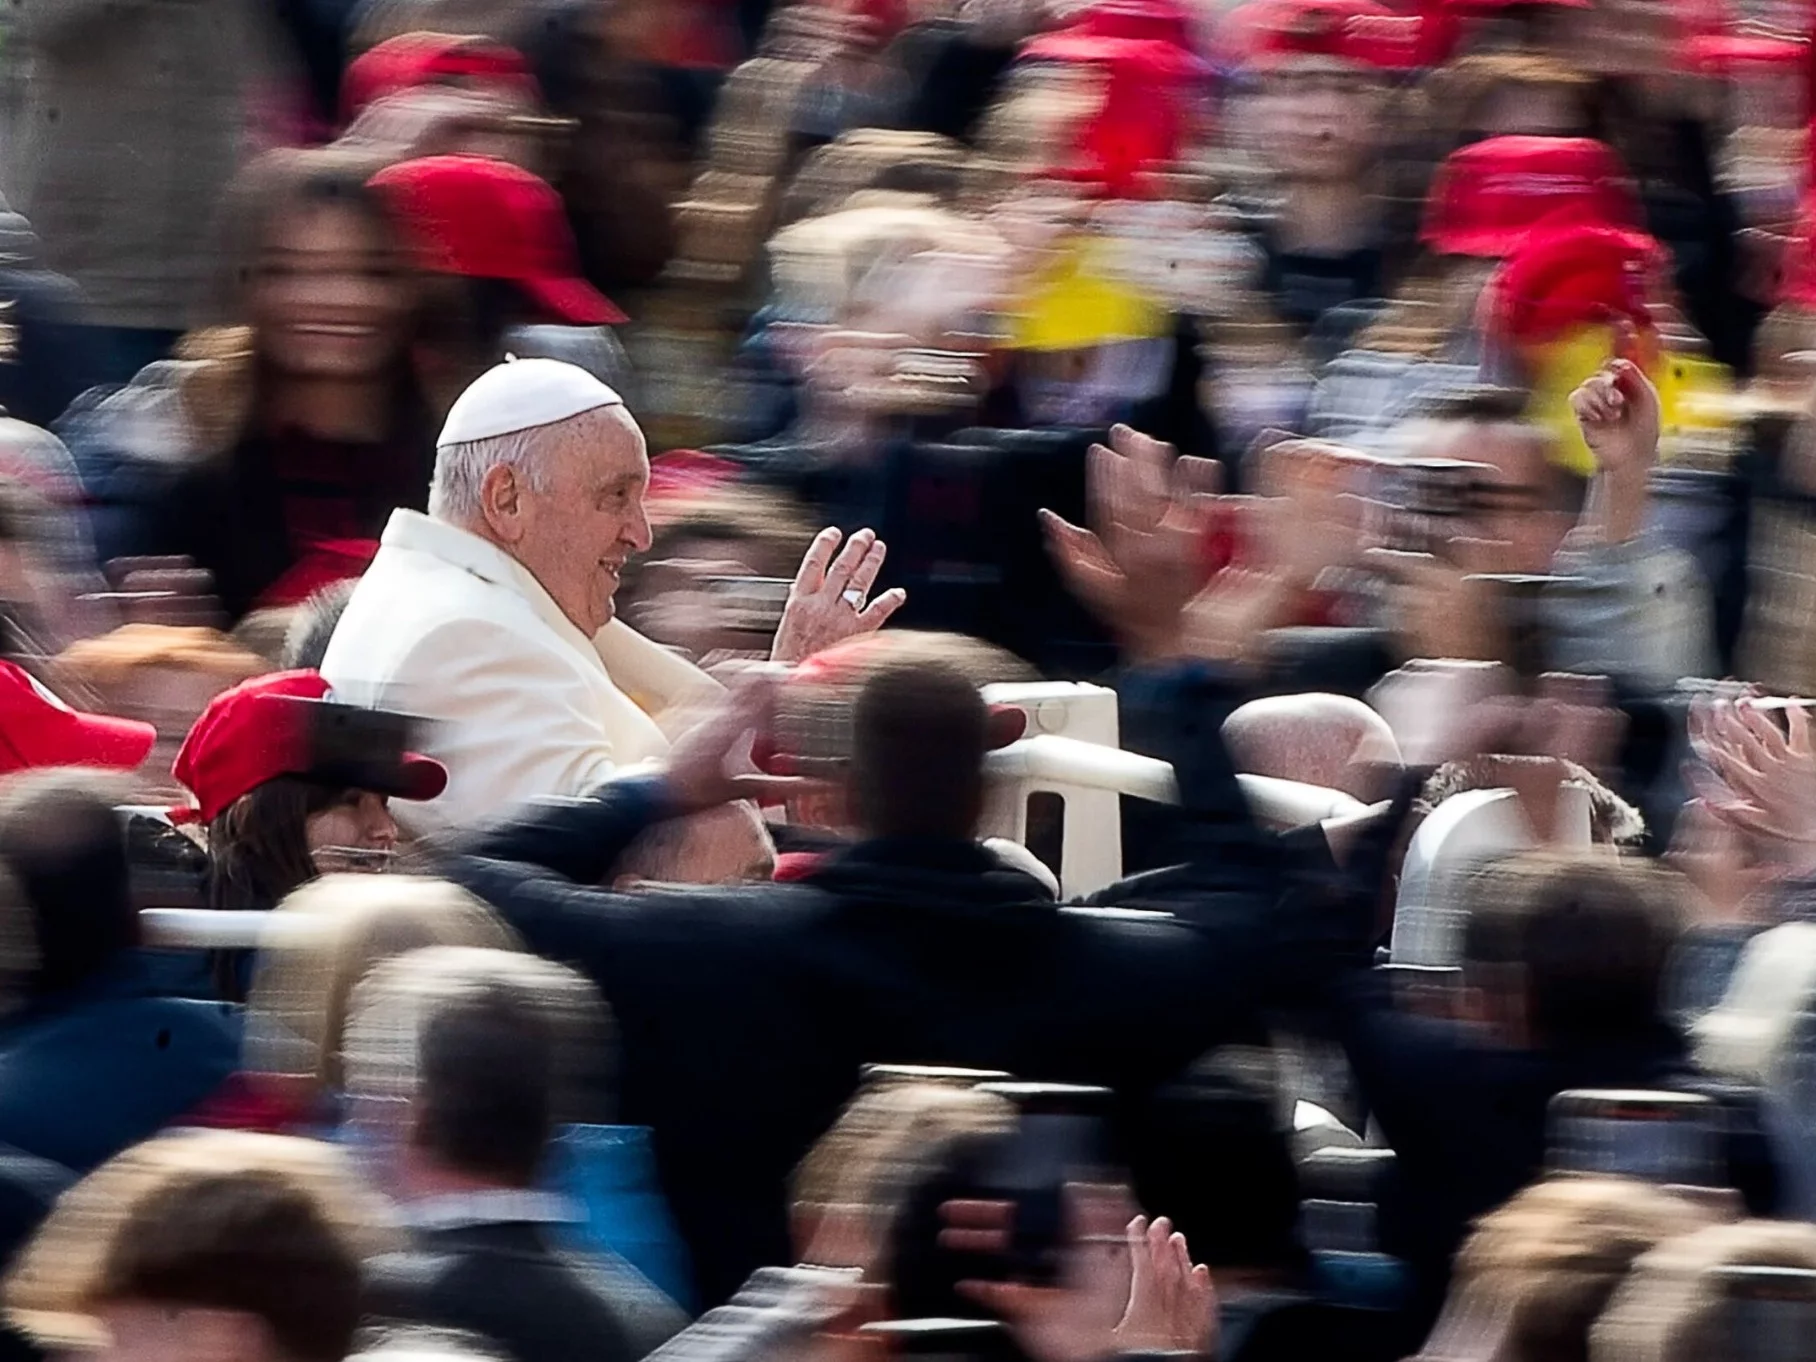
column 1142, row 558
column 1125, row 1287
column 830, row 599
column 1761, row 777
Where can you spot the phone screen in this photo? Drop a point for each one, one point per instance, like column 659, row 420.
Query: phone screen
column 1663, row 1137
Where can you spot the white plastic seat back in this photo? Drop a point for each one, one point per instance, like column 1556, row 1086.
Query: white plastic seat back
column 1456, row 837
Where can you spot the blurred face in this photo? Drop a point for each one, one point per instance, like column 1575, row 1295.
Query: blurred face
column 1321, row 120
column 1515, row 510
column 329, row 297
column 145, row 1331
column 361, row 821
column 577, row 526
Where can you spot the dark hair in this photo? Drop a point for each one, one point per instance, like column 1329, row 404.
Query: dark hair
column 1183, row 1141
column 917, row 750
column 66, row 845
column 252, row 1241
column 487, row 1090
column 258, row 847
column 1593, row 936
column 1491, row 405
column 306, row 641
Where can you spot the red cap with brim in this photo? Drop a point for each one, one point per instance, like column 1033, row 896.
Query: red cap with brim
column 37, row 729
column 259, row 730
column 482, row 218
column 1488, row 196
column 1560, row 279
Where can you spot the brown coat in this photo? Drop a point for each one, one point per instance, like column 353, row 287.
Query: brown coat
column 124, row 121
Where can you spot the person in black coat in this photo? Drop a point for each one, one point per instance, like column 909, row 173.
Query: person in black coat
column 495, row 1050
column 1564, row 961
column 747, row 1013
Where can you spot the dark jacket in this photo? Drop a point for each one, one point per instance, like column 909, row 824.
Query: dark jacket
column 1467, row 1118
column 91, row 1071
column 507, row 1283
column 747, row 1013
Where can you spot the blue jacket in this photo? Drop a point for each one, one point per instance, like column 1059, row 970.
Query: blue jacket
column 91, row 1071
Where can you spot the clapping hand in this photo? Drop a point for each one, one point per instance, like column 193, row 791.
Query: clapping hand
column 1155, row 1301
column 1761, row 778
column 829, row 601
column 1141, row 568
column 1141, row 559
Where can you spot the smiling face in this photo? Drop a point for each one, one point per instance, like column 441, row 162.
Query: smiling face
column 329, row 298
column 578, row 521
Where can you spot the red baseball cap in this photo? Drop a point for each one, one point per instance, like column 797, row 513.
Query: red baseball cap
column 1560, row 279
column 487, row 219
column 38, row 729
column 412, row 60
column 1724, row 53
column 259, row 730
column 1488, row 196
column 1269, row 34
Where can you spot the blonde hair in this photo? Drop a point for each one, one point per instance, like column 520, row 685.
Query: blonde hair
column 117, row 658
column 1670, row 1307
column 1547, row 1261
column 334, row 932
column 883, row 1140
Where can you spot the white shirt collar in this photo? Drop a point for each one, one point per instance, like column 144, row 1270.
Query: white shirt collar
column 500, row 1206
column 417, row 533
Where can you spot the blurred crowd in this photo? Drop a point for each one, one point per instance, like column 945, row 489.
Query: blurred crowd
column 983, row 680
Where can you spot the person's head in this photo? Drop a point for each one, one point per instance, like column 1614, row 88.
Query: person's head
column 543, row 460
column 334, row 932
column 1677, row 1305
column 461, row 1062
column 1184, row 1141
column 317, row 270
column 1327, row 740
column 843, row 1192
column 1534, row 1276
column 276, row 815
column 898, row 758
column 203, row 1247
column 1566, row 951
column 66, row 849
column 1527, row 503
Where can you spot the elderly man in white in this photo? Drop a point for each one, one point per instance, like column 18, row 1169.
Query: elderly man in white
column 493, row 614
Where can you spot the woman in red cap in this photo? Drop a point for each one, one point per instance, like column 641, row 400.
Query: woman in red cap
column 291, row 432
column 276, row 817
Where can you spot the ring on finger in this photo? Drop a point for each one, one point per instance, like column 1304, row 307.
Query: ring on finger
column 854, row 598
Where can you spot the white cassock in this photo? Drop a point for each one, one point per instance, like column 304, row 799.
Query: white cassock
column 446, row 626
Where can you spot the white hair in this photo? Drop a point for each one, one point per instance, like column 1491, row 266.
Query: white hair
column 460, row 470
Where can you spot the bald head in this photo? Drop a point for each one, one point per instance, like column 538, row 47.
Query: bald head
column 564, row 499
column 1317, row 739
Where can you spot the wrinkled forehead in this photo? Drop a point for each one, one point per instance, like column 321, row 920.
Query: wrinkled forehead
column 605, row 442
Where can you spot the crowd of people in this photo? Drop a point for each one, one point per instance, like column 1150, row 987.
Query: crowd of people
column 811, row 680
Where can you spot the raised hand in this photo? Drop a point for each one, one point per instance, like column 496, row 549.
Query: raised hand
column 1763, row 777
column 1142, row 558
column 1618, row 411
column 829, row 601
column 1172, row 1305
